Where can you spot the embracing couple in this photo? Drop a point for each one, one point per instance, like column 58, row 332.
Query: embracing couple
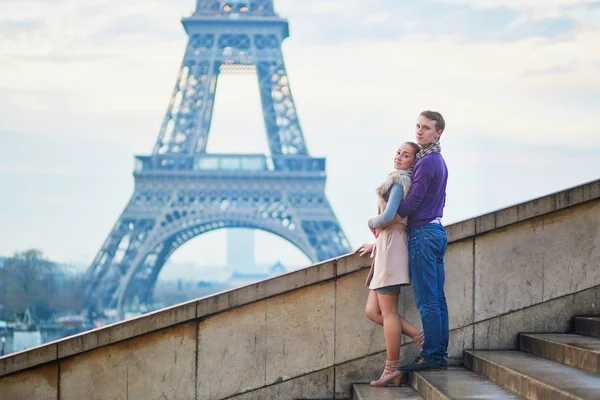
column 410, row 245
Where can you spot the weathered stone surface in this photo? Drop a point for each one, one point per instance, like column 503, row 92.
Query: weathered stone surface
column 231, row 352
column 356, row 335
column 153, row 321
column 572, row 250
column 502, row 332
column 318, row 385
column 27, row 359
column 458, row 266
column 527, row 210
column 97, row 375
column 578, row 194
column 39, row 383
column 587, row 302
column 460, row 230
column 537, row 207
column 460, row 339
column 212, row 304
column 508, row 270
column 507, row 216
column 411, row 312
column 300, row 332
column 84, row 342
column 362, row 370
column 162, row 365
column 352, row 263
column 485, row 223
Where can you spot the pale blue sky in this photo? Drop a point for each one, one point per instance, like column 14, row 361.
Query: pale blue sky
column 84, row 86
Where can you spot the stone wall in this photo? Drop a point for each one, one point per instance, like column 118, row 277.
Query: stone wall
column 528, row 267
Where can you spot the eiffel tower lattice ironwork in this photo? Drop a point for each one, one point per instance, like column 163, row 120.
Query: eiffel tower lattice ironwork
column 181, row 191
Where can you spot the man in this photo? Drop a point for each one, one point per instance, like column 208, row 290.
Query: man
column 424, row 206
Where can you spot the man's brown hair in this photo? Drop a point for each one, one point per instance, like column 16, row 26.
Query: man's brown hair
column 440, row 124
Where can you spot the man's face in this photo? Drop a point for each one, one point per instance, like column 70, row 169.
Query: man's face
column 426, row 131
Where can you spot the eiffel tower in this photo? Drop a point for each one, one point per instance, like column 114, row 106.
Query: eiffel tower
column 181, row 191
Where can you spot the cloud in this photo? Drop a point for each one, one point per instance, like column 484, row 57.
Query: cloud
column 73, row 79
column 326, row 7
column 554, row 70
column 376, row 18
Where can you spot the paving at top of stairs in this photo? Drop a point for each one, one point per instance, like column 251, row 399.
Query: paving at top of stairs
column 532, row 376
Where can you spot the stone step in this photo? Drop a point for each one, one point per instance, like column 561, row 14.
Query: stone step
column 576, row 351
column 457, row 383
column 366, row 392
column 533, row 377
column 588, row 326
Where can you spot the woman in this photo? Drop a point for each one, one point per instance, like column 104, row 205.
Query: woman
column 389, row 270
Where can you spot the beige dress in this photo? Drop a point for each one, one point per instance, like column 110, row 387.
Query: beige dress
column 390, row 255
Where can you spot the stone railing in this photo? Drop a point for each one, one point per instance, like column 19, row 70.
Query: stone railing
column 529, row 267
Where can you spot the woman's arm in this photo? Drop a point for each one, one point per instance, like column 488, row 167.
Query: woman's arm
column 387, row 216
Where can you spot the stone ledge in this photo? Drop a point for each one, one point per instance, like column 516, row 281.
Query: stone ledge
column 331, row 269
column 28, row 358
column 523, row 211
column 181, row 313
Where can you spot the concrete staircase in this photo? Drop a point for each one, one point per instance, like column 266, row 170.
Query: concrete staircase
column 549, row 366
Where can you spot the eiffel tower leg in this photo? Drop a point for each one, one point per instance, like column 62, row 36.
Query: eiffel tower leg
column 187, row 121
column 281, row 121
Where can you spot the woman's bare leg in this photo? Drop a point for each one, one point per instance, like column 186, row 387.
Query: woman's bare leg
column 372, row 308
column 392, row 328
column 373, row 312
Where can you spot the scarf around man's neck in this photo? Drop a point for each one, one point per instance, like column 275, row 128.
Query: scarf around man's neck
column 428, row 149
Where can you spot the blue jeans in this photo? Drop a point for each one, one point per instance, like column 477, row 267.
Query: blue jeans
column 427, row 246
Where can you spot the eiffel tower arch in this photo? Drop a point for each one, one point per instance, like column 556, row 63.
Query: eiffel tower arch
column 181, row 191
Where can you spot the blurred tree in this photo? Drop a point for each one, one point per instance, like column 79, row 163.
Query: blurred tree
column 29, row 281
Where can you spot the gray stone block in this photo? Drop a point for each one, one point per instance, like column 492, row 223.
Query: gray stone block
column 355, row 334
column 39, row 383
column 587, row 302
column 460, row 230
column 485, row 223
column 411, row 312
column 318, row 385
column 458, row 265
column 28, row 358
column 153, row 321
column 231, row 352
column 502, row 332
column 460, row 339
column 572, row 250
column 300, row 332
column 508, row 270
column 97, row 375
column 161, row 365
column 351, row 263
column 362, row 370
column 507, row 216
column 212, row 304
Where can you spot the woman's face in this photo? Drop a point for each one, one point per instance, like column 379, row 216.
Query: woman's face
column 405, row 157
